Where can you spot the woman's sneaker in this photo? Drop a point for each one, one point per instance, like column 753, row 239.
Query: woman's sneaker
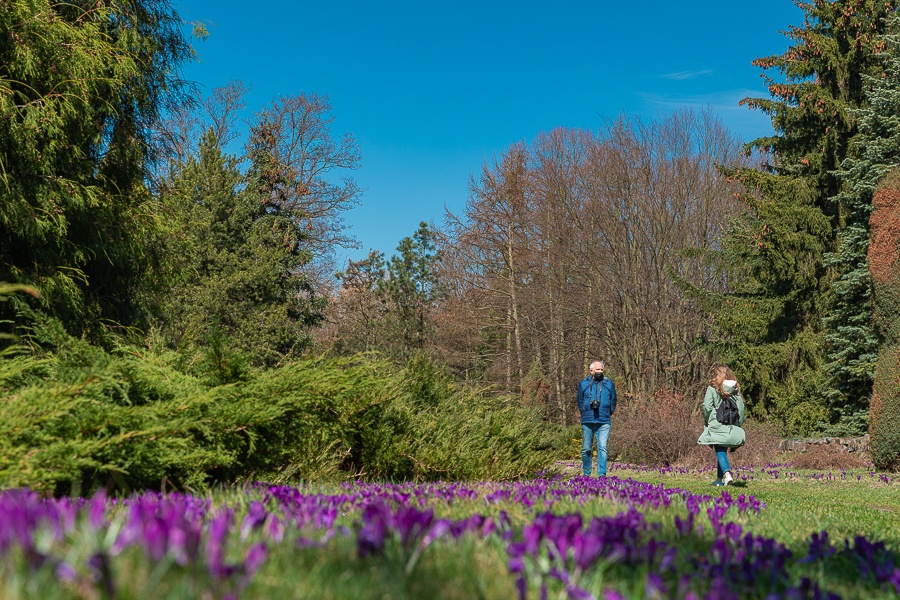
column 718, row 483
column 727, row 478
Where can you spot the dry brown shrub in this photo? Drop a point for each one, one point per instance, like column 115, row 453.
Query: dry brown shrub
column 827, row 456
column 655, row 431
column 763, row 446
column 884, row 250
column 663, row 431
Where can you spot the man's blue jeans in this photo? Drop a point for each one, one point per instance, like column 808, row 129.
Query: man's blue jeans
column 721, row 461
column 590, row 431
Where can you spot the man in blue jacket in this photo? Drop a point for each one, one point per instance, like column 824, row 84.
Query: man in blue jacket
column 597, row 403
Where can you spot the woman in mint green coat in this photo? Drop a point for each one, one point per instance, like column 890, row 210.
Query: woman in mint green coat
column 722, row 437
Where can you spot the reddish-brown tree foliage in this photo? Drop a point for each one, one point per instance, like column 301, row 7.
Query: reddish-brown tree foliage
column 884, row 249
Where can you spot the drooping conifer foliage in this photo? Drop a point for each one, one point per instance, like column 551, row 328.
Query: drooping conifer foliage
column 80, row 82
column 771, row 323
column 78, row 417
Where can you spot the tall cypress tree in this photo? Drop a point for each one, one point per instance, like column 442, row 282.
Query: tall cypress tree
column 851, row 338
column 770, row 326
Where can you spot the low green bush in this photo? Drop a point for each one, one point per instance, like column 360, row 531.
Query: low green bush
column 462, row 434
column 75, row 417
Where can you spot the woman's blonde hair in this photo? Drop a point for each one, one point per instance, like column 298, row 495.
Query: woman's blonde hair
column 720, row 373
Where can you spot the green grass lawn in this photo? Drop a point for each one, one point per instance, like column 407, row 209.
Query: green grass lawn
column 797, row 504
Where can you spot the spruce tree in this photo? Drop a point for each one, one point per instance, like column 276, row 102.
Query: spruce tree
column 770, row 326
column 851, row 338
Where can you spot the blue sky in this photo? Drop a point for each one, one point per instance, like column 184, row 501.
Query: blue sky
column 432, row 90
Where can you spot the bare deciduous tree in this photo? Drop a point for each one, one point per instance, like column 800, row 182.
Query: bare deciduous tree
column 178, row 134
column 568, row 246
column 492, row 247
column 300, row 163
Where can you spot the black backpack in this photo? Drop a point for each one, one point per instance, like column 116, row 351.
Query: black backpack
column 727, row 413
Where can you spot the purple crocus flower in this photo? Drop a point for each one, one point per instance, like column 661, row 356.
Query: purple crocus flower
column 655, row 586
column 97, row 510
column 255, row 518
column 894, row 579
column 376, row 519
column 411, row 523
column 163, row 525
column 820, row 548
column 522, row 587
column 516, row 565
column 65, row 572
column 215, row 546
column 256, row 556
column 573, row 592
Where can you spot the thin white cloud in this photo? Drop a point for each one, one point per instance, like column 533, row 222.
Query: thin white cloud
column 723, row 99
column 742, row 120
column 682, row 75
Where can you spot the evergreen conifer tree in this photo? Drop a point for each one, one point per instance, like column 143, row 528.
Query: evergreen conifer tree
column 849, row 333
column 409, row 290
column 770, row 326
column 236, row 291
column 80, row 85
